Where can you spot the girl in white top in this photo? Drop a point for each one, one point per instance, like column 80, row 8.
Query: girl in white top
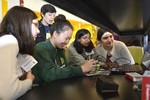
column 18, row 30
column 116, row 51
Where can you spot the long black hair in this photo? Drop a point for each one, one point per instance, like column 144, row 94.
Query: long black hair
column 78, row 46
column 60, row 25
column 17, row 22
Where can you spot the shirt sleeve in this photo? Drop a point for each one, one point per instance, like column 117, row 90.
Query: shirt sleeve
column 75, row 57
column 125, row 53
column 48, row 70
column 10, row 86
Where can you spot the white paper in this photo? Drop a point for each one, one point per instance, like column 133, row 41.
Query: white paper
column 146, row 73
column 26, row 62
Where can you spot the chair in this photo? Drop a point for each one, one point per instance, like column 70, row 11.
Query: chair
column 137, row 53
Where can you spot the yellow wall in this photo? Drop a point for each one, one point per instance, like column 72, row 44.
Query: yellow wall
column 38, row 14
column 76, row 24
column 4, row 7
column 80, row 25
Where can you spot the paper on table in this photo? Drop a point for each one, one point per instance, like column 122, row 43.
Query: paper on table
column 26, row 62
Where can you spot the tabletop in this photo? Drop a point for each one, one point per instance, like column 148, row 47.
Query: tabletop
column 82, row 88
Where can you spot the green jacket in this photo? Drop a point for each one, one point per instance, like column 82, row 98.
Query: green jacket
column 52, row 64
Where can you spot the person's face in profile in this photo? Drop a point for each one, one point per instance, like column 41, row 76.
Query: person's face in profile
column 107, row 39
column 85, row 40
column 34, row 28
column 62, row 39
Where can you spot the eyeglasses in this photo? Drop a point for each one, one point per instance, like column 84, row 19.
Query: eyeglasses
column 85, row 38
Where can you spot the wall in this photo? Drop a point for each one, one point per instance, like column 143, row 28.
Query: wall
column 0, row 10
column 35, row 5
column 39, row 3
column 5, row 5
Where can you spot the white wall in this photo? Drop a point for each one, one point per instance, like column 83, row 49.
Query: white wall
column 36, row 5
column 11, row 3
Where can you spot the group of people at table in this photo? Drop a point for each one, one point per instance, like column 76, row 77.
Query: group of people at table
column 21, row 33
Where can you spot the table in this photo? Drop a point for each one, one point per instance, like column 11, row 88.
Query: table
column 82, row 88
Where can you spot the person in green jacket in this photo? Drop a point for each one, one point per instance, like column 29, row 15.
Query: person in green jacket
column 52, row 63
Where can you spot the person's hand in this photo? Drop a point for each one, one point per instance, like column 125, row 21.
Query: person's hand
column 65, row 47
column 112, row 64
column 30, row 76
column 88, row 66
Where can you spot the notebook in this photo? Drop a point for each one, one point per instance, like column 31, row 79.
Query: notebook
column 127, row 68
column 119, row 70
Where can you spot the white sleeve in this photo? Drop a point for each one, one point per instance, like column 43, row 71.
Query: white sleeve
column 10, row 86
column 125, row 53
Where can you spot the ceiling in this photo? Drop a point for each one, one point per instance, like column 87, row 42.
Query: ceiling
column 125, row 17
